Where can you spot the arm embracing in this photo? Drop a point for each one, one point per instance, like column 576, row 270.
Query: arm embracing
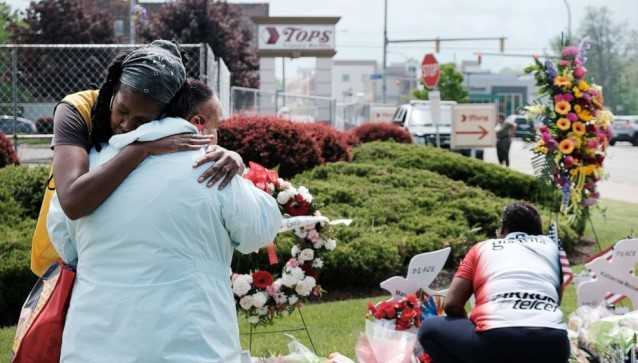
column 252, row 217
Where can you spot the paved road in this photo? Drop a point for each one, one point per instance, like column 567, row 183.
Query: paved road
column 621, row 166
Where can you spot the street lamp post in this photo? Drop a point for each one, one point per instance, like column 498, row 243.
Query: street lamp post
column 569, row 21
column 385, row 48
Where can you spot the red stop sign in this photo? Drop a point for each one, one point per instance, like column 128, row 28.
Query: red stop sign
column 430, row 71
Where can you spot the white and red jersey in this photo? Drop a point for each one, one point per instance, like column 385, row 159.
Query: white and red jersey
column 515, row 281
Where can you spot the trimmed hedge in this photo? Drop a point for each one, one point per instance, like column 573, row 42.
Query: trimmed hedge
column 26, row 185
column 494, row 178
column 271, row 142
column 8, row 153
column 381, row 131
column 333, row 143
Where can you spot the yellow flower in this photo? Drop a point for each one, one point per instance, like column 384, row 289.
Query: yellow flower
column 604, row 118
column 563, row 123
column 584, row 115
column 579, row 128
column 583, row 85
column 566, row 146
column 563, row 107
column 562, row 81
column 577, row 92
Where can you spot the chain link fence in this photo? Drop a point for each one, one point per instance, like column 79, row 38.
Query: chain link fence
column 34, row 77
column 297, row 108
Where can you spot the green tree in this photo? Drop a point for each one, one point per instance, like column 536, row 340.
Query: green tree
column 605, row 55
column 216, row 23
column 6, row 18
column 450, row 85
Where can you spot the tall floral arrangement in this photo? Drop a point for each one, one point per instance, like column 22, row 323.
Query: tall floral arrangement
column 262, row 296
column 574, row 133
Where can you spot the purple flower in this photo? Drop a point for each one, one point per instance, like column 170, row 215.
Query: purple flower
column 572, row 117
column 550, row 70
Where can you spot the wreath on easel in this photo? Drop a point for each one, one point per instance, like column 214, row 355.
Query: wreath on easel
column 262, row 296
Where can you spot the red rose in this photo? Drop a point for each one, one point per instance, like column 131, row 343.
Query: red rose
column 389, row 310
column 261, row 176
column 296, row 208
column 262, row 279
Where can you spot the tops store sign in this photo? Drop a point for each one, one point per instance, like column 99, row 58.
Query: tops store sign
column 296, row 36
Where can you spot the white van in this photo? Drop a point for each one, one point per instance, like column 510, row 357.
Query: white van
column 416, row 117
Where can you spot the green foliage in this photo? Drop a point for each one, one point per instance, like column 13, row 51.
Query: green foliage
column 397, row 213
column 26, row 186
column 450, row 85
column 500, row 181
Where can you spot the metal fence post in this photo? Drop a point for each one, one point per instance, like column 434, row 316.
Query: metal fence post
column 14, row 94
column 203, row 72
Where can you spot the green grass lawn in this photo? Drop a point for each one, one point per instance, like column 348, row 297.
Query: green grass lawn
column 335, row 326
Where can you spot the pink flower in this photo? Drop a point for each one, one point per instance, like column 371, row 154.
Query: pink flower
column 547, row 138
column 580, row 72
column 544, row 129
column 569, row 162
column 592, row 144
column 564, row 62
column 313, row 236
column 293, row 263
column 572, row 117
column 570, row 52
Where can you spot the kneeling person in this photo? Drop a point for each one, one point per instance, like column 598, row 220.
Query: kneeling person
column 516, row 280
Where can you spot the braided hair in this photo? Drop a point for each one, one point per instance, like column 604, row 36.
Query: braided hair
column 101, row 114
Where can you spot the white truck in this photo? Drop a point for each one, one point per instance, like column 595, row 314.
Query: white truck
column 416, row 117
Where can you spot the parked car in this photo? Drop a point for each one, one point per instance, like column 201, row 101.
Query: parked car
column 416, row 117
column 23, row 126
column 625, row 128
column 525, row 128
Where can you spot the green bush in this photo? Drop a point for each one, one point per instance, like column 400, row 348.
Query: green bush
column 494, row 178
column 16, row 278
column 396, row 214
column 26, row 185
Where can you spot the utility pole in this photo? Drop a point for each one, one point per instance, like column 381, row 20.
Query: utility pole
column 131, row 23
column 385, row 49
column 569, row 22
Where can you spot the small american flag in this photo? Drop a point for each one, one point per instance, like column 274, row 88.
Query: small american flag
column 567, row 273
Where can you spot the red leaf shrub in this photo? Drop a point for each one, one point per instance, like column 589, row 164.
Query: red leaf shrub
column 333, row 144
column 8, row 153
column 381, row 131
column 271, row 142
column 44, row 125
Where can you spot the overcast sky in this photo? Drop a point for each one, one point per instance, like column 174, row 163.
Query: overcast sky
column 527, row 24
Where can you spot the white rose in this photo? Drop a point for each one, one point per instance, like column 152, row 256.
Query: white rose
column 297, row 273
column 280, row 298
column 330, row 244
column 292, row 299
column 300, row 232
column 259, row 299
column 240, row 288
column 283, row 197
column 276, row 286
column 284, row 184
column 246, row 302
column 317, row 263
column 288, row 280
column 305, row 193
column 262, row 311
column 253, row 319
column 294, row 251
column 306, row 255
column 304, row 287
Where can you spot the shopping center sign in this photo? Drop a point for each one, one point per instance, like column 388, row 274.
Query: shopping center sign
column 296, row 36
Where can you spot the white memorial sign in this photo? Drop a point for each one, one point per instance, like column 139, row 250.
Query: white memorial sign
column 422, row 270
column 611, row 274
column 473, row 126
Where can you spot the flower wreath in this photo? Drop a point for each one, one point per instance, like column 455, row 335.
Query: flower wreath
column 575, row 130
column 259, row 295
